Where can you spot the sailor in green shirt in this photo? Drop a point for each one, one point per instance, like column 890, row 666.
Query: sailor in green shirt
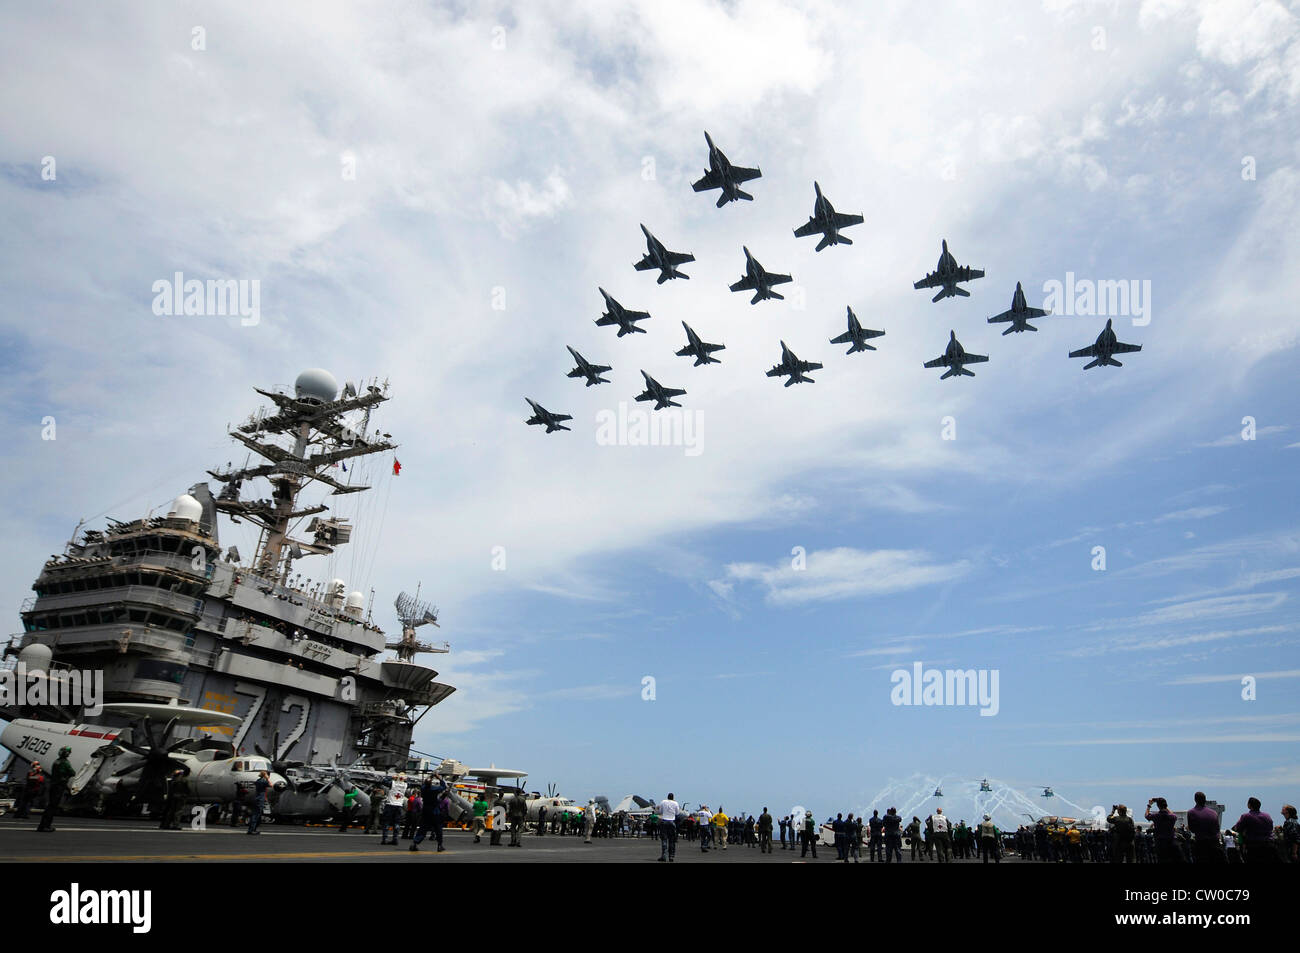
column 60, row 775
column 349, row 807
column 480, row 817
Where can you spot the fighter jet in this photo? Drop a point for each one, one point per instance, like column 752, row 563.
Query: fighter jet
column 793, row 367
column 856, row 334
column 759, row 281
column 827, row 221
column 1019, row 314
column 661, row 395
column 659, row 257
column 1104, row 350
column 588, row 370
column 721, row 174
column 700, row 350
column 543, row 416
column 615, row 313
column 955, row 358
column 946, row 275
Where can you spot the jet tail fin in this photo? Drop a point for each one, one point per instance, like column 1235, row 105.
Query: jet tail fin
column 826, row 240
column 773, row 294
column 1093, row 363
column 961, row 291
column 950, row 372
column 742, row 194
column 968, row 373
column 1010, row 329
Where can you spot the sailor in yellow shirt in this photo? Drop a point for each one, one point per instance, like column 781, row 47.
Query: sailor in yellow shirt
column 720, row 829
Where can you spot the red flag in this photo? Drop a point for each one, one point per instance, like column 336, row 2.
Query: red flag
column 397, row 467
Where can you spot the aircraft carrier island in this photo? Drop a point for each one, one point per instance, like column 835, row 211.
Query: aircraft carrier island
column 207, row 656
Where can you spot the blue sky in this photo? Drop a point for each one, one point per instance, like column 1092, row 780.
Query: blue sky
column 507, row 156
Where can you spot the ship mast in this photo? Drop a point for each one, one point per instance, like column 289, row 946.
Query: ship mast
column 313, row 420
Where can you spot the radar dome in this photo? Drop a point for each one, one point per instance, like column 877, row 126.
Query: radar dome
column 185, row 507
column 355, row 603
column 36, row 657
column 316, row 386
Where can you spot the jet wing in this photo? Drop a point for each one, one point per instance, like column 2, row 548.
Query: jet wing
column 671, row 391
column 805, row 366
column 1036, row 313
column 779, row 371
column 966, row 273
column 645, row 264
column 599, row 368
column 844, row 220
column 975, row 358
column 686, row 351
column 941, row 361
column 1089, row 351
column 1125, row 348
column 932, row 280
column 1004, row 316
column 744, row 284
column 741, row 174
column 778, row 279
column 810, row 228
column 844, row 338
column 711, row 180
column 681, row 258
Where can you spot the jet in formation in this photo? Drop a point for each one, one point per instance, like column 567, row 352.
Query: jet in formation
column 698, row 349
column 856, row 336
column 721, row 174
column 1019, row 314
column 759, row 281
column 657, row 256
column 827, row 222
column 588, row 370
column 661, row 395
column 946, row 275
column 542, row 416
column 1102, row 353
column 615, row 313
column 794, row 368
column 955, row 359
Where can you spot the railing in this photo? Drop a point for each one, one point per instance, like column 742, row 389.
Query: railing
column 151, row 595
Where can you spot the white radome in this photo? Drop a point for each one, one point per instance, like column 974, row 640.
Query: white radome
column 185, row 507
column 316, row 385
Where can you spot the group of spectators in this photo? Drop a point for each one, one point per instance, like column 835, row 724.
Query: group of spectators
column 1254, row 838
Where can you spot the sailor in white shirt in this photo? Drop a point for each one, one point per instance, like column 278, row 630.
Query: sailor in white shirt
column 668, row 809
column 703, row 819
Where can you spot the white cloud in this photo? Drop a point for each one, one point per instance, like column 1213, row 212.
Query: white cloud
column 845, row 573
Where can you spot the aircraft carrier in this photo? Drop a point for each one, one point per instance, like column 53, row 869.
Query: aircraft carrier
column 167, row 615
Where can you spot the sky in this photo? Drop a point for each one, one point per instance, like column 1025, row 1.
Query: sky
column 431, row 194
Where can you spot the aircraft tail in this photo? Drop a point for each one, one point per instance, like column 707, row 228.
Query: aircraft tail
column 1112, row 362
column 742, row 194
column 826, row 240
column 950, row 372
column 773, row 294
column 723, row 199
column 1093, row 363
column 664, row 276
column 1012, row 328
column 968, row 373
column 791, row 381
column 960, row 291
column 1030, row 327
column 943, row 293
